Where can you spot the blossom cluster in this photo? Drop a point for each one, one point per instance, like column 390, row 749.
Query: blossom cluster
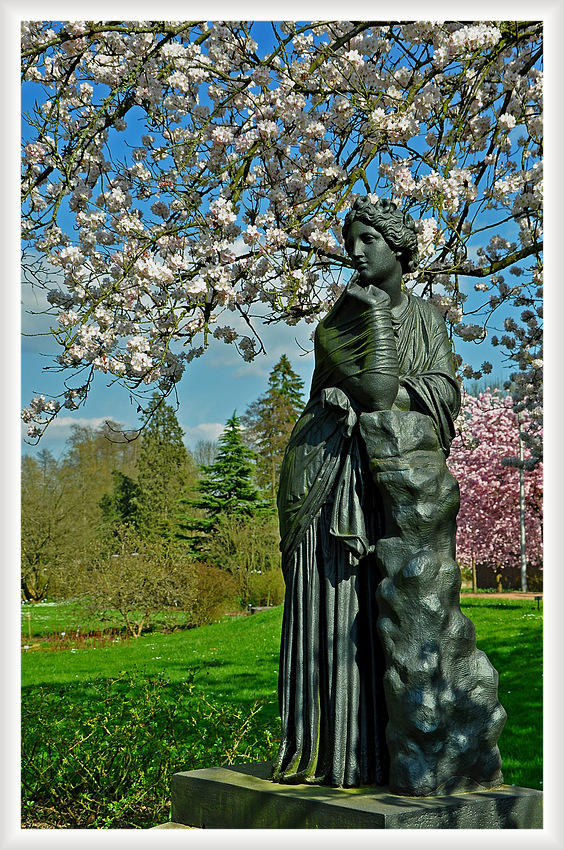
column 489, row 517
column 241, row 158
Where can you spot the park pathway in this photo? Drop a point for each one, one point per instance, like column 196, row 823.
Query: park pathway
column 506, row 594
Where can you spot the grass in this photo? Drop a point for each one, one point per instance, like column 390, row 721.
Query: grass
column 210, row 678
column 93, row 716
column 510, row 633
column 235, row 659
column 74, row 618
column 100, row 754
column 46, row 618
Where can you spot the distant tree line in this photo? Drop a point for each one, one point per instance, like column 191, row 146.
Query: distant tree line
column 137, row 523
column 140, row 524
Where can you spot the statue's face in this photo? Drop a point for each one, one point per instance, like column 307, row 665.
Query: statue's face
column 373, row 258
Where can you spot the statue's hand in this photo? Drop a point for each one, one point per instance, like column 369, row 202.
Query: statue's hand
column 370, row 295
column 373, row 391
column 378, row 296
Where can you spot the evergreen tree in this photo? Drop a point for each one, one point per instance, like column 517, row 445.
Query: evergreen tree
column 121, row 506
column 226, row 486
column 165, row 472
column 269, row 420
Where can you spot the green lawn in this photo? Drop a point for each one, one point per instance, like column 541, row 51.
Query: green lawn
column 142, row 709
column 45, row 618
column 510, row 633
column 68, row 618
column 181, row 680
column 235, row 660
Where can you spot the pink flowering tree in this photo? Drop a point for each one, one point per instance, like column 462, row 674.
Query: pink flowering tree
column 488, row 521
column 177, row 174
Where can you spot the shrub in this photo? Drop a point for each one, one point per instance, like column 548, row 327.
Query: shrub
column 245, row 547
column 100, row 755
column 267, row 588
column 140, row 578
column 215, row 590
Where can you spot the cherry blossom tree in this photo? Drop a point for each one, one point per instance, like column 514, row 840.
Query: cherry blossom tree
column 188, row 180
column 488, row 520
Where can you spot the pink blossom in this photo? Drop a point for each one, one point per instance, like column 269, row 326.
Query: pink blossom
column 488, row 521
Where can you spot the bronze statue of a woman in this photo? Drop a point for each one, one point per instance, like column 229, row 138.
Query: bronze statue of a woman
column 380, row 680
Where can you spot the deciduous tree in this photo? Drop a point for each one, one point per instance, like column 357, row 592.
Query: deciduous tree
column 89, row 459
column 247, row 547
column 47, row 509
column 488, row 521
column 174, row 172
column 141, row 579
column 61, row 515
column 204, row 452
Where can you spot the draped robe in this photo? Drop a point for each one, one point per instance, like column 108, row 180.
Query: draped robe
column 331, row 694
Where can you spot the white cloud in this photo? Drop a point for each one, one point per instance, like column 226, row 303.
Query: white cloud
column 82, row 421
column 203, row 431
column 64, row 424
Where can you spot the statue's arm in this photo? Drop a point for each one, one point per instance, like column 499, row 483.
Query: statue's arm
column 375, row 384
column 372, row 391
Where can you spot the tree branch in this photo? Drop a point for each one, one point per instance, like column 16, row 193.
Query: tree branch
column 499, row 265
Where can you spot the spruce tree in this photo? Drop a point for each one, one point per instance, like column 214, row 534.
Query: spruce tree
column 269, row 420
column 121, row 506
column 226, row 486
column 165, row 472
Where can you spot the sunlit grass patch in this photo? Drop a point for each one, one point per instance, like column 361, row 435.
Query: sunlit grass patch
column 163, row 695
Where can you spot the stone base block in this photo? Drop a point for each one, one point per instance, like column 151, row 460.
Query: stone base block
column 242, row 797
column 172, row 825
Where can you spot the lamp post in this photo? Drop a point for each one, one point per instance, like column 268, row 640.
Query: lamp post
column 522, row 510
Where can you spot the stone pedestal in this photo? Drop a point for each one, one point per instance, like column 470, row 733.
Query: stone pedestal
column 242, row 797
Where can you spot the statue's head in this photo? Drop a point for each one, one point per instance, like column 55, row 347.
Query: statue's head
column 397, row 228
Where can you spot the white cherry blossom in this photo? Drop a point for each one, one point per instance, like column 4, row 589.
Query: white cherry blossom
column 207, row 170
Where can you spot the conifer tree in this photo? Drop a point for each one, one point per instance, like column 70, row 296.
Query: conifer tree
column 226, row 486
column 121, row 506
column 269, row 420
column 166, row 472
